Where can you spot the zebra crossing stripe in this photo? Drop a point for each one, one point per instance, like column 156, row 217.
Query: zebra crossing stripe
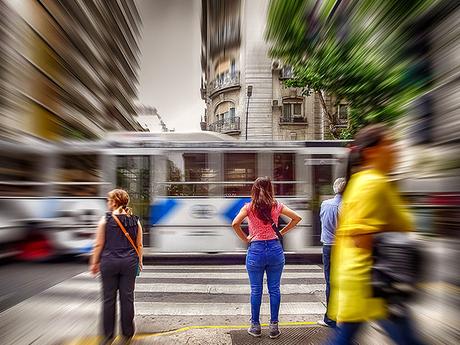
column 223, row 309
column 224, row 289
column 220, row 275
column 222, row 267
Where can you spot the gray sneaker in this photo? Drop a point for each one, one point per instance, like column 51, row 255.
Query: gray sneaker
column 274, row 330
column 255, row 330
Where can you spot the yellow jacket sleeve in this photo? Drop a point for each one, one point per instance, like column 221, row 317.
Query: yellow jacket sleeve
column 372, row 205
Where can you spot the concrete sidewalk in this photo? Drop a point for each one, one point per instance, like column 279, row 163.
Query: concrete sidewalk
column 223, row 336
column 290, row 335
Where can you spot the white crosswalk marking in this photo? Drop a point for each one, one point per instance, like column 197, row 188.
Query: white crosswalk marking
column 214, row 309
column 223, row 268
column 220, row 275
column 220, row 282
column 215, row 289
column 207, row 294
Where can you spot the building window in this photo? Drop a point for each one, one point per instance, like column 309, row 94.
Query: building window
column 342, row 113
column 287, row 111
column 292, row 110
column 297, row 109
column 225, row 73
column 233, row 68
column 225, row 118
column 225, row 110
column 286, row 72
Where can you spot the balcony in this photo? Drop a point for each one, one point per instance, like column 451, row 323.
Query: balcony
column 293, row 120
column 228, row 80
column 226, row 126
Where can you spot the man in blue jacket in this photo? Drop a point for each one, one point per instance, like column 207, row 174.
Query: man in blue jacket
column 328, row 215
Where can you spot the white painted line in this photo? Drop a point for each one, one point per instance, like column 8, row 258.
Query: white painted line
column 226, row 289
column 226, row 276
column 224, row 267
column 214, row 275
column 221, row 275
column 73, row 286
column 84, row 309
column 218, row 309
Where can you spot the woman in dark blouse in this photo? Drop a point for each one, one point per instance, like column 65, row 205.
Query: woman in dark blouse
column 118, row 261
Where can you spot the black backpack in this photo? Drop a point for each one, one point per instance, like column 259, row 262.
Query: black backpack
column 397, row 266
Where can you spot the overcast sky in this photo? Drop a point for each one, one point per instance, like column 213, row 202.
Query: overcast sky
column 170, row 62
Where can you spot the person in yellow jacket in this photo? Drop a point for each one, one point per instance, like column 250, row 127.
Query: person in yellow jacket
column 370, row 204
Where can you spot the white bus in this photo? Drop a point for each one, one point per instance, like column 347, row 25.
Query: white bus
column 187, row 188
column 51, row 197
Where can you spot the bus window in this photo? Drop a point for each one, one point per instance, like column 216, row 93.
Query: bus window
column 21, row 174
column 192, row 174
column 78, row 175
column 239, row 167
column 322, row 177
column 133, row 175
column 284, row 173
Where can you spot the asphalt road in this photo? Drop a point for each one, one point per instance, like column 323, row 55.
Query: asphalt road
column 22, row 280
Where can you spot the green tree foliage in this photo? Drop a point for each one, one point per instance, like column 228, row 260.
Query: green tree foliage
column 355, row 50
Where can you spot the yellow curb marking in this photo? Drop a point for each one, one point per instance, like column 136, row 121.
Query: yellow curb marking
column 184, row 329
column 93, row 340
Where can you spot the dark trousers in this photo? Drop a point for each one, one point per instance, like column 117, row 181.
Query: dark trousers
column 399, row 329
column 118, row 274
column 327, row 275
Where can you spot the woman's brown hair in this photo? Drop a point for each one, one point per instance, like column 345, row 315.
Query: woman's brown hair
column 368, row 136
column 263, row 199
column 121, row 199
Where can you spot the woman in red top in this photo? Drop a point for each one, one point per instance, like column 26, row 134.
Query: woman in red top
column 265, row 253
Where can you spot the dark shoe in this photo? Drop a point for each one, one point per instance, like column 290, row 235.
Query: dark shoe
column 107, row 341
column 324, row 323
column 274, row 330
column 255, row 330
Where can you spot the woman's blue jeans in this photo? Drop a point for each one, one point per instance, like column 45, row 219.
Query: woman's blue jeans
column 265, row 256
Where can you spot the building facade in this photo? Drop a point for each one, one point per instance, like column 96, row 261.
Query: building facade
column 243, row 88
column 69, row 68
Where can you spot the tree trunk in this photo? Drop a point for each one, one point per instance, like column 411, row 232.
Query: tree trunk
column 330, row 117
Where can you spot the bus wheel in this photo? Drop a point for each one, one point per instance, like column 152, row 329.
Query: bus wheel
column 35, row 248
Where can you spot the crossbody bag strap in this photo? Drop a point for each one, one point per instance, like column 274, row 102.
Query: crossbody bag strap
column 277, row 231
column 126, row 234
